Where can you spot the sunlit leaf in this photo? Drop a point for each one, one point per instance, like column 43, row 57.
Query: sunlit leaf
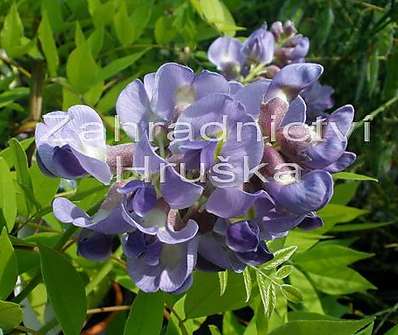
column 48, row 44
column 65, row 289
column 223, row 279
column 10, row 315
column 280, row 257
column 8, row 201
column 8, row 266
column 247, row 279
column 146, row 315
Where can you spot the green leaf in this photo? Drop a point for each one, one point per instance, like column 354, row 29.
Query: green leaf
column 22, row 169
column 123, row 25
column 107, row 102
column 344, row 192
column 13, row 95
column 328, row 256
column 353, row 176
column 333, row 213
column 267, row 294
column 81, row 69
column 129, row 28
column 102, row 13
column 56, row 17
column 217, row 14
column 120, row 64
column 8, row 153
column 303, row 240
column 324, row 327
column 140, row 18
column 44, row 187
column 164, row 30
column 223, row 279
column 390, row 88
column 8, row 266
column 203, row 298
column 12, row 33
column 48, row 44
column 280, row 257
column 336, row 281
column 373, row 71
column 359, row 226
column 146, row 315
column 310, row 297
column 65, row 289
column 392, row 331
column 214, row 330
column 10, row 315
column 247, row 279
column 92, row 96
column 8, row 200
column 284, row 271
column 96, row 40
column 326, row 20
column 291, row 293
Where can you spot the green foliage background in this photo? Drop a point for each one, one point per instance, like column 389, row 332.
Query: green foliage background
column 56, row 53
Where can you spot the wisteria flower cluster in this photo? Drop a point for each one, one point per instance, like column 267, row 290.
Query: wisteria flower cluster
column 216, row 167
column 263, row 54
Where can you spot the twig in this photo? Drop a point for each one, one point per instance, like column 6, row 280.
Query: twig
column 377, row 111
column 26, row 330
column 369, row 5
column 10, row 62
column 36, row 91
column 108, row 309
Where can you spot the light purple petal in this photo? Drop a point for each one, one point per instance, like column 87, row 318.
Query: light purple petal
column 179, row 261
column 97, row 168
column 312, row 192
column 292, row 79
column 345, row 160
column 170, row 236
column 207, row 82
column 251, row 96
column 230, row 202
column 133, row 108
column 296, row 112
column 171, row 80
column 242, row 237
column 106, row 222
column 225, row 53
column 178, row 192
column 145, row 156
column 342, row 119
column 259, row 46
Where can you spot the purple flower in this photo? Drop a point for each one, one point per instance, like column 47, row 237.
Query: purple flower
column 259, row 46
column 226, row 54
column 318, row 98
column 164, row 95
column 153, row 216
column 282, row 104
column 72, row 144
column 108, row 219
column 154, row 265
column 290, row 46
column 94, row 246
column 233, row 246
column 322, row 144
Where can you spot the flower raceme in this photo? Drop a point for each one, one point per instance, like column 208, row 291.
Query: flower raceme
column 252, row 168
